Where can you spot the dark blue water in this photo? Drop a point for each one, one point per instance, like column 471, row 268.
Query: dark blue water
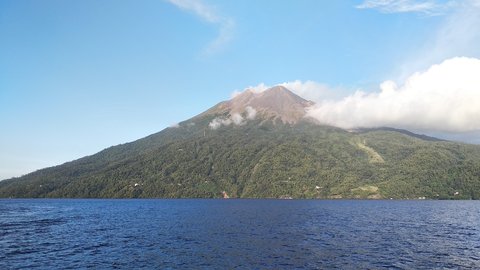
column 241, row 234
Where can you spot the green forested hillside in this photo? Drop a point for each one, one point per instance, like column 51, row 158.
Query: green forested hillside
column 264, row 159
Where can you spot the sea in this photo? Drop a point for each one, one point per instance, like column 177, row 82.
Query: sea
column 238, row 234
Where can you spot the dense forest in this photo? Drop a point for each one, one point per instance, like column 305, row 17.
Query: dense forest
column 264, row 158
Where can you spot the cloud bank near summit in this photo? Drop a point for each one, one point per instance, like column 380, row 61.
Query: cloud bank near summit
column 445, row 98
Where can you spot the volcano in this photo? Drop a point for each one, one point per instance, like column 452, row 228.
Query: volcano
column 262, row 145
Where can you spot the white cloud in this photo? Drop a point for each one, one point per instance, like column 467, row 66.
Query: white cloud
column 225, row 35
column 446, row 97
column 235, row 118
column 429, row 7
column 209, row 14
column 251, row 113
column 313, row 91
column 218, row 122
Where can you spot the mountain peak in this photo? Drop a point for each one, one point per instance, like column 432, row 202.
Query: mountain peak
column 277, row 102
column 279, row 89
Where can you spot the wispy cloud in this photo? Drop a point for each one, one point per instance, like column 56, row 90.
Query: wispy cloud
column 457, row 35
column 428, row 7
column 209, row 14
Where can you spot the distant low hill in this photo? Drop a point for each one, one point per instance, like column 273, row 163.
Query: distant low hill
column 260, row 145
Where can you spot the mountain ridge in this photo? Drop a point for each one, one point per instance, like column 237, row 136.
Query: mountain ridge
column 275, row 153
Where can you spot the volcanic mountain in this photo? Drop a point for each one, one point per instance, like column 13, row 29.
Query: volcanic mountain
column 261, row 145
column 276, row 103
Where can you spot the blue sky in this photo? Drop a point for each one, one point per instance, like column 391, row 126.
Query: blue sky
column 79, row 76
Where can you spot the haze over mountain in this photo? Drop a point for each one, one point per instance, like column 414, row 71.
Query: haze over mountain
column 263, row 145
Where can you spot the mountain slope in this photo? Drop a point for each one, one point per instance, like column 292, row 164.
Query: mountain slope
column 275, row 154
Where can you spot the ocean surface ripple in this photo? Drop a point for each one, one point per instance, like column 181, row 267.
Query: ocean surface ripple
column 239, row 234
